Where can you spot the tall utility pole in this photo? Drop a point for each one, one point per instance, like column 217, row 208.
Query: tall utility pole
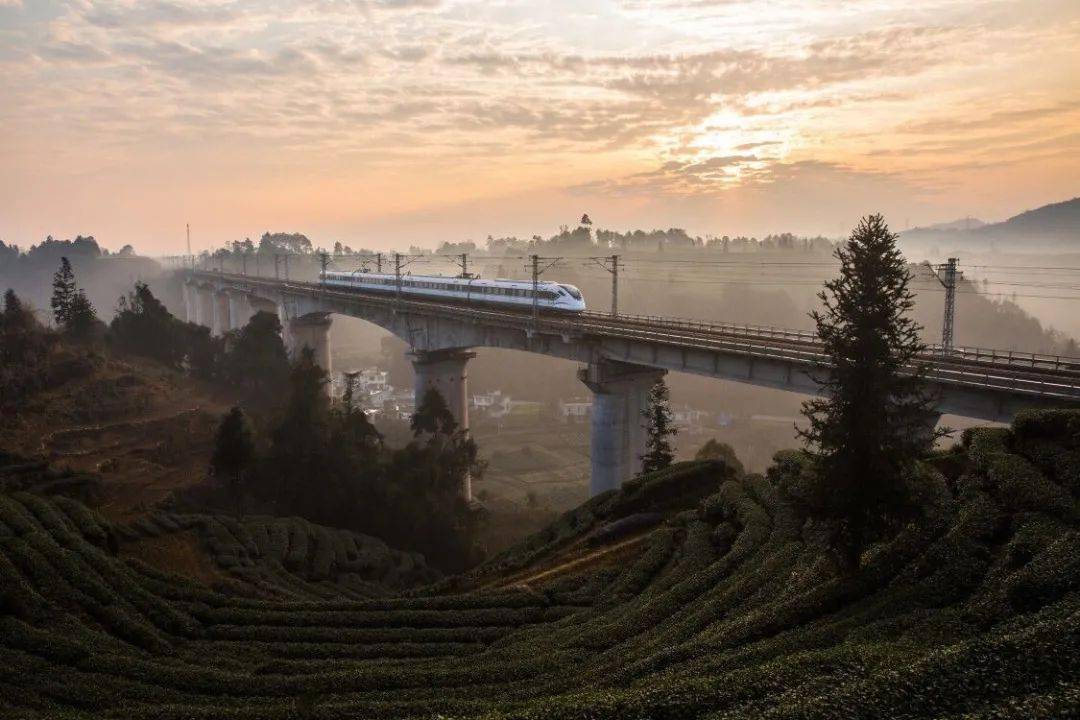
column 398, row 266
column 397, row 276
column 611, row 264
column 947, row 276
column 324, row 260
column 535, row 287
column 188, row 228
column 378, row 262
column 537, row 271
column 462, row 263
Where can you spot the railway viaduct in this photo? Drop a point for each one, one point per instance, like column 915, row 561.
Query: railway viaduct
column 620, row 356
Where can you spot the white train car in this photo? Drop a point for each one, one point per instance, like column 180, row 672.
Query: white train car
column 552, row 295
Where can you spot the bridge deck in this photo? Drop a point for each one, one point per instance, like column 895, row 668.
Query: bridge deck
column 1043, row 376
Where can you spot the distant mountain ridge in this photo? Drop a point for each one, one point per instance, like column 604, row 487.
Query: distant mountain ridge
column 1057, row 218
column 1055, row 224
column 968, row 223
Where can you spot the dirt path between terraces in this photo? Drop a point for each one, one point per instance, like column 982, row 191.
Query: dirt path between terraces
column 597, row 557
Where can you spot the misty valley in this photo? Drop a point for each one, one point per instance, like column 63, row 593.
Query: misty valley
column 257, row 494
column 561, row 360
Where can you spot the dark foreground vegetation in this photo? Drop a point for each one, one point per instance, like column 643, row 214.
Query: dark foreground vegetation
column 692, row 592
column 285, row 449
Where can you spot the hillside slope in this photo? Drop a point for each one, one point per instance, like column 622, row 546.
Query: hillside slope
column 1056, row 225
column 720, row 604
column 1057, row 220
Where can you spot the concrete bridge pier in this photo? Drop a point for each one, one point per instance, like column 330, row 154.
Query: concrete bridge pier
column 204, row 306
column 620, row 396
column 220, row 324
column 190, row 295
column 240, row 310
column 312, row 331
column 444, row 370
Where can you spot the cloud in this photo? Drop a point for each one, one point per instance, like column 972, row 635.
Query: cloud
column 408, row 4
column 754, row 145
column 408, row 53
column 994, row 120
column 73, row 52
column 709, row 176
column 117, row 15
column 369, row 5
column 689, row 98
column 219, row 64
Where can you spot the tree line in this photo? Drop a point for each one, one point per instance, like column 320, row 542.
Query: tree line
column 865, row 437
column 287, row 453
column 323, row 460
column 300, row 453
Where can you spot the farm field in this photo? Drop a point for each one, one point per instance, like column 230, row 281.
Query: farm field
column 692, row 592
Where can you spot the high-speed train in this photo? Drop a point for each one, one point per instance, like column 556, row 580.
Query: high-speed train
column 552, row 295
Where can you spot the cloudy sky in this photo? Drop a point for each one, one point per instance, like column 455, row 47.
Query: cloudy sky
column 388, row 122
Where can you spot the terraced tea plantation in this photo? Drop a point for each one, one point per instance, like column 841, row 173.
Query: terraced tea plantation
column 290, row 558
column 690, row 593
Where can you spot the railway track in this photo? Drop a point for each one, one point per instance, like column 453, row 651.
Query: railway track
column 1027, row 373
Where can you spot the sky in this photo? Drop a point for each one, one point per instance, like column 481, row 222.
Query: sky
column 385, row 123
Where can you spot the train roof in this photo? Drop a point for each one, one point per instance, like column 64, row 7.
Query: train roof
column 475, row 282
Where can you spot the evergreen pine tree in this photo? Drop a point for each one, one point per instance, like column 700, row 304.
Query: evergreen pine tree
column 300, row 441
column 870, row 425
column 63, row 293
column 20, row 341
column 143, row 326
column 15, row 317
column 233, row 453
column 658, row 451
column 12, row 303
column 257, row 361
column 348, row 398
column 81, row 317
column 433, row 416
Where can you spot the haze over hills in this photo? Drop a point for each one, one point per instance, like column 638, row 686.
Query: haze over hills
column 967, row 223
column 1055, row 226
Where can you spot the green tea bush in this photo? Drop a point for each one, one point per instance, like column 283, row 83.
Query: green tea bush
column 86, row 521
column 1059, row 464
column 723, row 605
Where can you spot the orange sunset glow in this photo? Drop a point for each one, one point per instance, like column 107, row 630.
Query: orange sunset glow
column 389, row 122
